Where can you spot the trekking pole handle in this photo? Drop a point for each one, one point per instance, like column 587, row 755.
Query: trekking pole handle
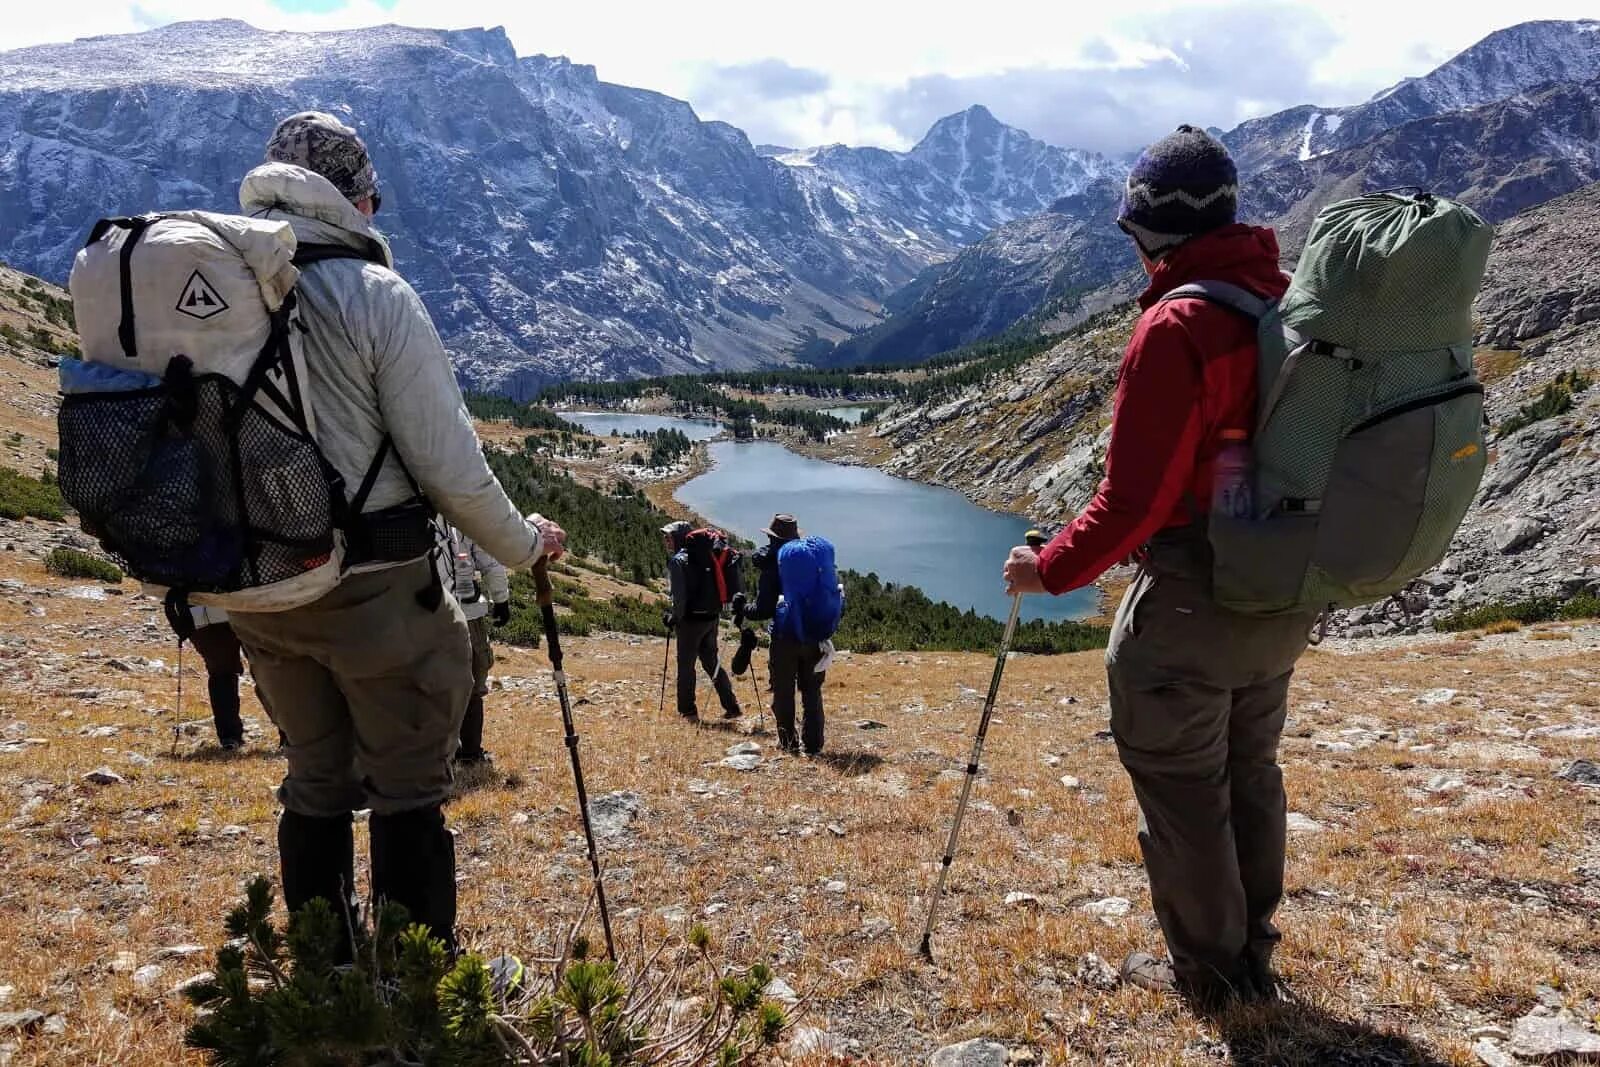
column 546, row 594
column 542, row 585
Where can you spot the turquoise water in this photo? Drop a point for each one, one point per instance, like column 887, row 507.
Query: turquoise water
column 851, row 414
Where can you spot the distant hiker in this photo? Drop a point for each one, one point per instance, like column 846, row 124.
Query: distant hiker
column 370, row 682
column 702, row 575
column 218, row 646
column 1198, row 693
column 483, row 590
column 798, row 590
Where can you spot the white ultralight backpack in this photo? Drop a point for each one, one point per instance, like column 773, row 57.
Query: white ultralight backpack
column 187, row 433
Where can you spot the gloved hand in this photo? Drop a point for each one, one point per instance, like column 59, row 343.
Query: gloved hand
column 738, row 609
column 747, row 645
column 500, row 612
column 667, row 620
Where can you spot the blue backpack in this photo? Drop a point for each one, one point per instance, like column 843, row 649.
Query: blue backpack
column 812, row 603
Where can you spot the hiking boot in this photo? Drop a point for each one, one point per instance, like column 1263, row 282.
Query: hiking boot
column 231, row 744
column 690, row 717
column 732, row 713
column 480, row 758
column 1145, row 971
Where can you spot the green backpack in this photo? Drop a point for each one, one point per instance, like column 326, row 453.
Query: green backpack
column 1368, row 445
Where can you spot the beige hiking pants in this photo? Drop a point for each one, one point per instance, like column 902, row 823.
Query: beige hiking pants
column 369, row 688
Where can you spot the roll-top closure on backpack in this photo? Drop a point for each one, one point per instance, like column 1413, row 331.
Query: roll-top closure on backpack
column 1389, row 273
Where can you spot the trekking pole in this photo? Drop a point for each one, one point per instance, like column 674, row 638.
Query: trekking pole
column 177, row 727
column 666, row 658
column 546, row 596
column 972, row 772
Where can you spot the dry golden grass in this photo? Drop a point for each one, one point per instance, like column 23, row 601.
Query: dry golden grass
column 1494, row 364
column 1422, row 913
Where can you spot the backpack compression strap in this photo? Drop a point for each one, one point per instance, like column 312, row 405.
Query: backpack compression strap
column 136, row 225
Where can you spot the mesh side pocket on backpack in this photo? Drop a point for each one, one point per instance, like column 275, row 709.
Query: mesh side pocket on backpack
column 284, row 496
column 146, row 488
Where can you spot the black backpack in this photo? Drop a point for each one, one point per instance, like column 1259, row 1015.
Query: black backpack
column 713, row 572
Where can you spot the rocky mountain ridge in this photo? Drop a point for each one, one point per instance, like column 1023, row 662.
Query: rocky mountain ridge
column 555, row 225
column 1034, row 442
column 1507, row 124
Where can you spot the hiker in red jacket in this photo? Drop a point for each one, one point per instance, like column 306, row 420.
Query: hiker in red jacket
column 1198, row 693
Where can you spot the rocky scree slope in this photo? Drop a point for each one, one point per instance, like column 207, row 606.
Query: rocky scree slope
column 1034, row 442
column 1507, row 124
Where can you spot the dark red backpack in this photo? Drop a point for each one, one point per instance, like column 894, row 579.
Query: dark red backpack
column 714, row 572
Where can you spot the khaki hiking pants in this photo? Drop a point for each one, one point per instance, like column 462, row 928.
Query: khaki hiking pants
column 369, row 689
column 1198, row 700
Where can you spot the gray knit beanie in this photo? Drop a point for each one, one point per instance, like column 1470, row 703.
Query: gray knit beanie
column 1182, row 186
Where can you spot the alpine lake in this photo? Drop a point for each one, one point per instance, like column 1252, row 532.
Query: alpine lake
column 904, row 531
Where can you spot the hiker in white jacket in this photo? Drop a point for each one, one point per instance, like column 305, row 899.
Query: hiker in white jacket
column 483, row 589
column 370, row 683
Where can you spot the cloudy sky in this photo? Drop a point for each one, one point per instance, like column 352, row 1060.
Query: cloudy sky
column 1090, row 73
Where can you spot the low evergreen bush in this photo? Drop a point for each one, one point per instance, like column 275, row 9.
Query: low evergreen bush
column 278, row 998
column 22, row 497
column 70, row 563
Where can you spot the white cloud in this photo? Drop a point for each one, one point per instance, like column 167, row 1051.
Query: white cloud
column 869, row 58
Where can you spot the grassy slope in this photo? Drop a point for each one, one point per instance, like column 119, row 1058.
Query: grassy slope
column 1407, row 909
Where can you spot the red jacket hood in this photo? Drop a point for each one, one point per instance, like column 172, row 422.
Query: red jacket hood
column 1246, row 256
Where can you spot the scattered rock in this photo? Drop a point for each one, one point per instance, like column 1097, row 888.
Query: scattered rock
column 975, row 1053
column 1516, row 534
column 745, row 762
column 1096, row 973
column 1443, row 783
column 1108, row 909
column 1545, row 1033
column 1304, row 824
column 124, row 962
column 1017, row 897
column 1071, row 782
column 1436, row 696
column 55, row 1024
column 871, row 724
column 148, row 974
column 1492, row 1055
column 611, row 814
column 782, row 992
column 179, row 952
column 811, row 1041
column 835, row 829
column 519, row 818
column 876, row 927
column 20, row 1021
column 836, row 886
column 744, row 748
column 1581, row 771
column 103, row 776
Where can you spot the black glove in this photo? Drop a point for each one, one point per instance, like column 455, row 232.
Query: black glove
column 500, row 612
column 667, row 620
column 738, row 609
column 747, row 645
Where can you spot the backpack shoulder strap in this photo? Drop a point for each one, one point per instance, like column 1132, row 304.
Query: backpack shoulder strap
column 307, row 253
column 1225, row 294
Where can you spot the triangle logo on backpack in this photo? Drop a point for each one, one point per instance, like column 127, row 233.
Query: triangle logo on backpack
column 200, row 300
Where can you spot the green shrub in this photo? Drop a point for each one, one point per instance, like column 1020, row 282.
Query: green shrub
column 1533, row 609
column 22, row 497
column 1555, row 399
column 70, row 563
column 1582, row 606
column 278, row 997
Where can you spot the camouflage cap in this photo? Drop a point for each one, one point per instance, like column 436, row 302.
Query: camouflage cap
column 319, row 142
